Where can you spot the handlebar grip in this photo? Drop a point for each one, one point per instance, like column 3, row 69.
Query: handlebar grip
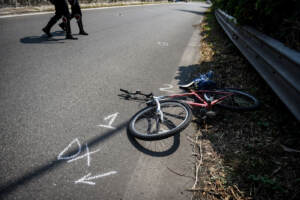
column 122, row 90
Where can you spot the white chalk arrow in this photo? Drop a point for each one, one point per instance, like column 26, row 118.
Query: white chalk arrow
column 87, row 178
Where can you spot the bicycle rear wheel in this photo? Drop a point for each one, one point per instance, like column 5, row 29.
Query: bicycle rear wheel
column 237, row 101
column 146, row 124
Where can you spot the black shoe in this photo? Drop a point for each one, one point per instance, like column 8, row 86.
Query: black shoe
column 83, row 33
column 80, row 26
column 70, row 37
column 62, row 26
column 47, row 32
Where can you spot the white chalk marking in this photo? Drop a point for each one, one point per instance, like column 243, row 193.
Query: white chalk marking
column 87, row 179
column 167, row 89
column 88, row 155
column 111, row 121
column 163, row 44
column 60, row 156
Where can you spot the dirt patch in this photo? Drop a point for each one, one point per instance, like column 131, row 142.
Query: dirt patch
column 249, row 155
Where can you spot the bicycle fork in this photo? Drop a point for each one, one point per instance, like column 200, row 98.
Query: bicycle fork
column 158, row 109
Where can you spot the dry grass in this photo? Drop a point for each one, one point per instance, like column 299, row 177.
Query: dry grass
column 243, row 155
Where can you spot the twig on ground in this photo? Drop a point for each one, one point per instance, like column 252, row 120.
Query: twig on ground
column 276, row 170
column 236, row 187
column 203, row 191
column 235, row 195
column 171, row 170
column 199, row 162
column 287, row 149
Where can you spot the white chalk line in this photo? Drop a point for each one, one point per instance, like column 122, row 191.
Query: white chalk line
column 87, row 179
column 111, row 121
column 85, row 155
column 163, row 44
column 60, row 156
column 168, row 88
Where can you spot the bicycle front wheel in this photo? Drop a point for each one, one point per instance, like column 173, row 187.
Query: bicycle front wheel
column 238, row 100
column 146, row 124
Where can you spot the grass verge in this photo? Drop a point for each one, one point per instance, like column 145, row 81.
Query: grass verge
column 249, row 155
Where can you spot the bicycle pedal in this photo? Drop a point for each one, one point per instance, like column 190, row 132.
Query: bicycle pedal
column 210, row 113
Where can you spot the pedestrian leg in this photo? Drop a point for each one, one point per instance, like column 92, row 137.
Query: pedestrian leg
column 51, row 22
column 80, row 25
column 68, row 29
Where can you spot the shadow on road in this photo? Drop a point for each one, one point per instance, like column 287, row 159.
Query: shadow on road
column 186, row 74
column 162, row 148
column 13, row 185
column 157, row 148
column 192, row 11
column 43, row 39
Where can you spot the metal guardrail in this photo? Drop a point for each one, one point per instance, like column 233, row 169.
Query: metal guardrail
column 276, row 63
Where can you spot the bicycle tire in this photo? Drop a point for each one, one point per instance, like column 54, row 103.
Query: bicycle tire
column 239, row 101
column 144, row 118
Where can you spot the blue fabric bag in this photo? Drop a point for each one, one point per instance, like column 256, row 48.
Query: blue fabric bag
column 204, row 81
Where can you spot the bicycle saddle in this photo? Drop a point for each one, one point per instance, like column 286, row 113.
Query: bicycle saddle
column 187, row 86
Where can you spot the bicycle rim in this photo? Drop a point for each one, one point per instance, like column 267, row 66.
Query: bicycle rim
column 146, row 124
column 238, row 100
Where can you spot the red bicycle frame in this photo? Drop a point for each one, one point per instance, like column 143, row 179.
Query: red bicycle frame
column 204, row 103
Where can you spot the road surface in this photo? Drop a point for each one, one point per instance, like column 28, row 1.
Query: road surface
column 63, row 126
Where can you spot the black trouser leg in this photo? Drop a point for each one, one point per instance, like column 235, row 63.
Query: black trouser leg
column 51, row 22
column 80, row 26
column 68, row 30
column 62, row 25
column 76, row 12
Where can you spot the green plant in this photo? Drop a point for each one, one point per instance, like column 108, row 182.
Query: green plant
column 266, row 182
column 279, row 19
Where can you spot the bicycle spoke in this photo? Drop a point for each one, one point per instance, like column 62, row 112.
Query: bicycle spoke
column 175, row 116
column 148, row 123
column 237, row 100
column 169, row 124
column 157, row 125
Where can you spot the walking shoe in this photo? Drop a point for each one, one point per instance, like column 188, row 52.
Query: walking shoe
column 80, row 26
column 47, row 32
column 83, row 33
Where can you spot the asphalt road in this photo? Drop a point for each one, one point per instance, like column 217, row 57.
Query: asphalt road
column 63, row 126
